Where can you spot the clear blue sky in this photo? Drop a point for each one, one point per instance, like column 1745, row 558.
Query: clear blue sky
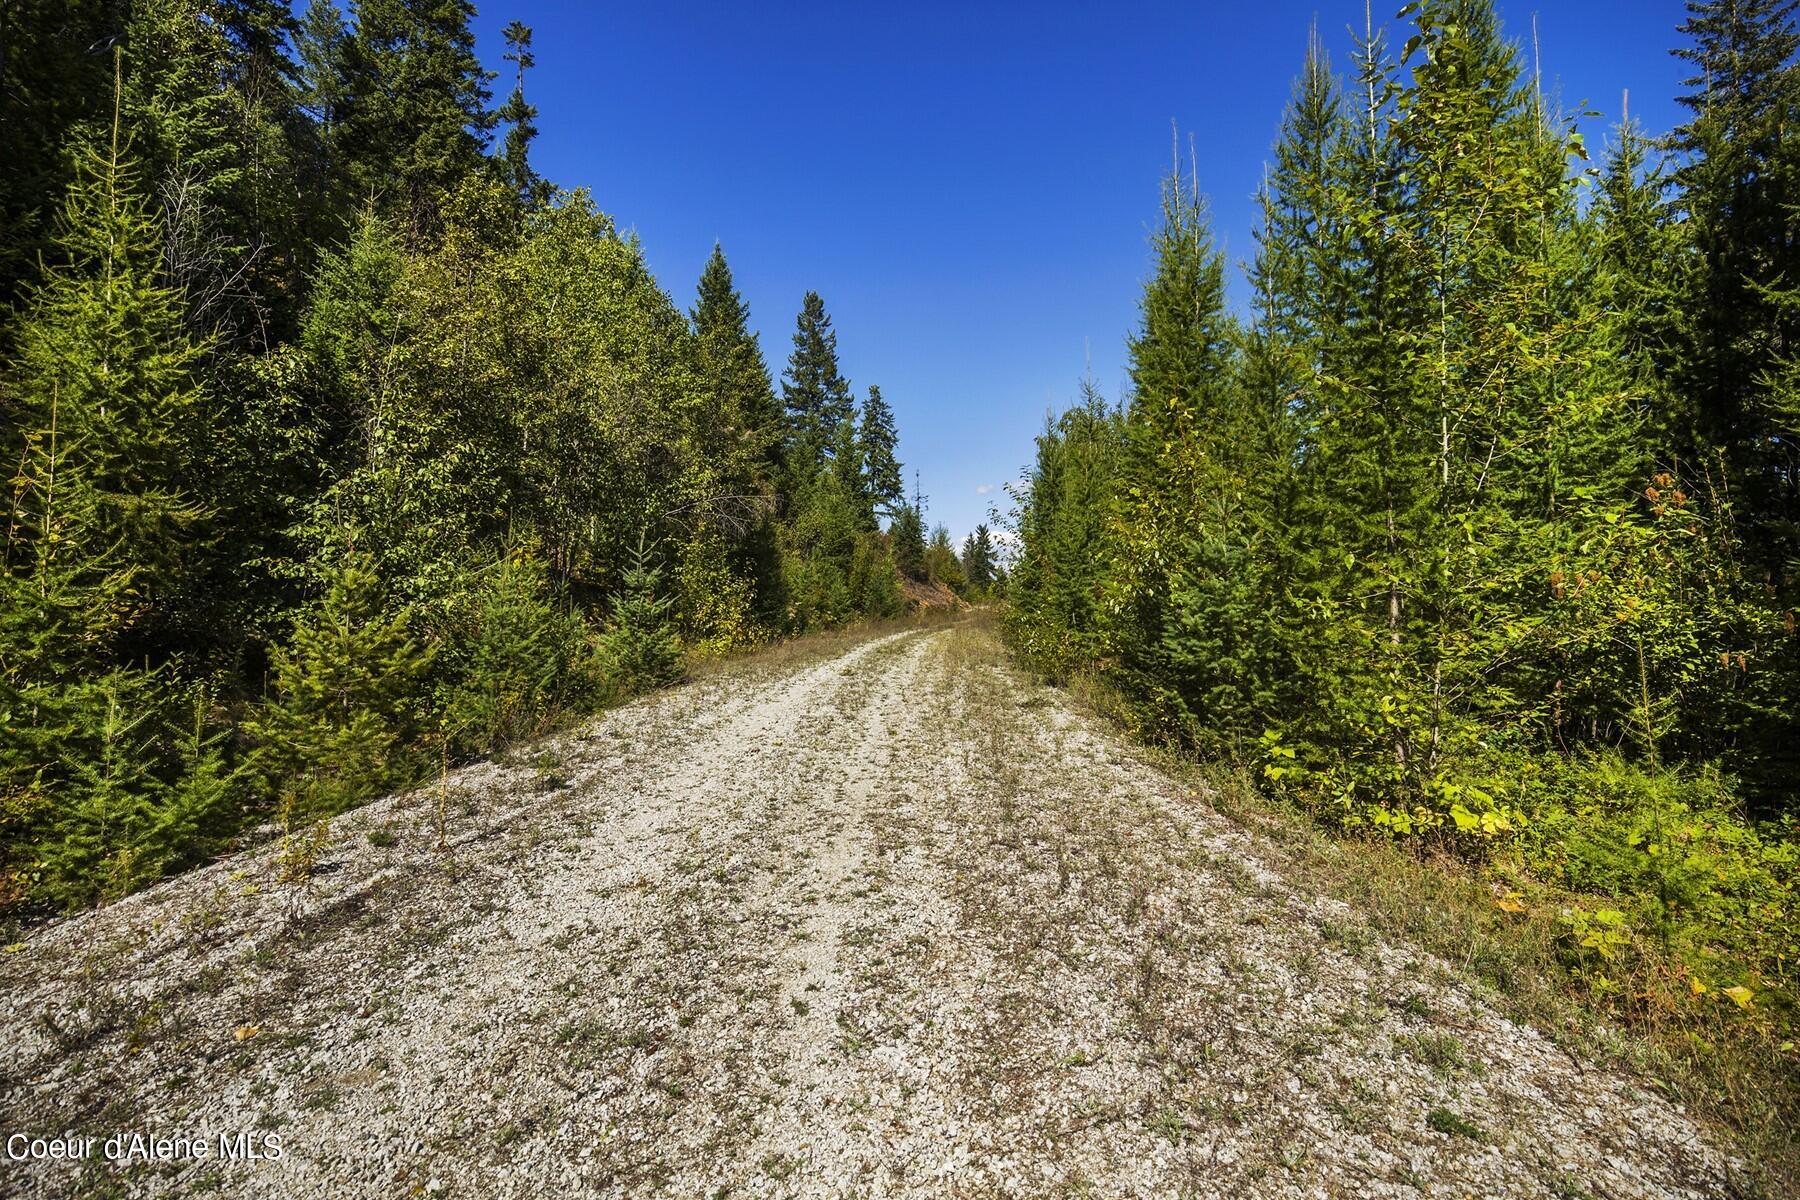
column 969, row 186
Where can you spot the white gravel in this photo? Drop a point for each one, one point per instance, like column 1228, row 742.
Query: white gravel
column 897, row 923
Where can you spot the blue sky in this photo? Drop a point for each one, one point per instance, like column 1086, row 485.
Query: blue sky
column 969, row 186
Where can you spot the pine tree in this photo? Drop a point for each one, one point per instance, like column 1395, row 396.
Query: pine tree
column 416, row 121
column 816, row 396
column 640, row 644
column 520, row 119
column 732, row 370
column 877, row 441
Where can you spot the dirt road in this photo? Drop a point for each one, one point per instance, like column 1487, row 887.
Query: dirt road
column 894, row 923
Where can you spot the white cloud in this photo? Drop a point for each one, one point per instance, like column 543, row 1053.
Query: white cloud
column 984, row 489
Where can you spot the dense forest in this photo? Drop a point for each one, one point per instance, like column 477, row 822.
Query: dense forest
column 341, row 445
column 1480, row 532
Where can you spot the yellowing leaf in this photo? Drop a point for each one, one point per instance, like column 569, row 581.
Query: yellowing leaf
column 244, row 1033
column 1740, row 995
column 1694, row 984
column 1512, row 902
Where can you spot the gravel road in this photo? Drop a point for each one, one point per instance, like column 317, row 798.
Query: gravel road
column 894, row 922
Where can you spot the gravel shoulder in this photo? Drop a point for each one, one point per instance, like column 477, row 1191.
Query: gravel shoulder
column 896, row 923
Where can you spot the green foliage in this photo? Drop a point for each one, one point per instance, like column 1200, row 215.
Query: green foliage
column 877, row 440
column 817, row 397
column 979, row 562
column 514, row 662
column 942, row 563
column 1476, row 537
column 265, row 280
column 639, row 644
column 873, row 582
column 345, row 698
column 906, row 533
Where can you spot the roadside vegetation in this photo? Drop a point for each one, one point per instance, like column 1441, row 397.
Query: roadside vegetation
column 342, row 446
column 1475, row 544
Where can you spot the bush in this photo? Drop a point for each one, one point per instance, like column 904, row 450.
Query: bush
column 1676, row 855
column 874, row 583
column 516, row 661
column 347, row 692
column 640, row 646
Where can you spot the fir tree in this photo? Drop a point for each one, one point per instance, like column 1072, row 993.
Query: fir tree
column 816, row 396
column 640, row 644
column 732, row 370
column 336, row 730
column 106, row 417
column 520, row 119
column 907, row 532
column 416, row 121
column 978, row 561
column 877, row 441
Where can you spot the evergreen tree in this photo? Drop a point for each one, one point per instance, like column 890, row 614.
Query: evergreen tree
column 105, row 417
column 53, row 86
column 978, row 561
column 941, row 562
column 816, row 396
column 337, row 729
column 907, row 532
column 732, row 370
column 877, row 441
column 520, row 119
column 415, row 119
column 1065, row 522
column 640, row 644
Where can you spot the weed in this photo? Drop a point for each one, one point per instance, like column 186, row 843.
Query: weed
column 1442, row 1120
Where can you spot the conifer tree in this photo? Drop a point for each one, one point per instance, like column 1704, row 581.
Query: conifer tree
column 520, row 119
column 106, row 420
column 816, row 396
column 640, row 644
column 416, row 121
column 978, row 561
column 877, row 441
column 335, row 732
column 1177, row 521
column 732, row 370
column 907, row 531
column 1064, row 527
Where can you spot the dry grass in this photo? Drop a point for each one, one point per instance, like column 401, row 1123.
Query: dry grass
column 810, row 648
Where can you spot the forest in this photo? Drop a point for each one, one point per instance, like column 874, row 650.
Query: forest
column 1480, row 533
column 342, row 446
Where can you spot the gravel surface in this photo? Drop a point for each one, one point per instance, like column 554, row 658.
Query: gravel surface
column 897, row 923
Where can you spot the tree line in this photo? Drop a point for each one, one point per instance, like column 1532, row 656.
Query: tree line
column 1481, row 529
column 342, row 445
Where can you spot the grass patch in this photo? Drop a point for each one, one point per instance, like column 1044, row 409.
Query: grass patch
column 1442, row 1120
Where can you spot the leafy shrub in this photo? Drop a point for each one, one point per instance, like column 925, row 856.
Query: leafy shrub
column 717, row 603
